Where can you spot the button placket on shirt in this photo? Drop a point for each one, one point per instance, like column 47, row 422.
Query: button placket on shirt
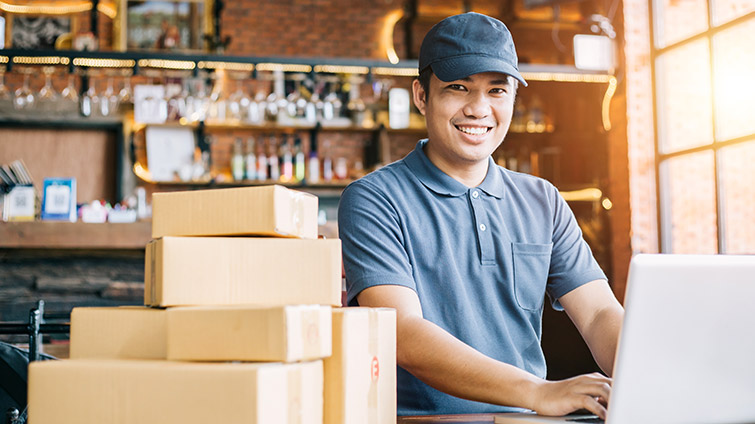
column 484, row 236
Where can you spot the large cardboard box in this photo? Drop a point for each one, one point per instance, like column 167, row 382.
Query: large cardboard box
column 198, row 271
column 244, row 333
column 88, row 391
column 125, row 332
column 360, row 376
column 265, row 211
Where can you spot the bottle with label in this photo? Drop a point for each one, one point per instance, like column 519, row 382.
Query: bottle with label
column 250, row 160
column 299, row 159
column 313, row 166
column 237, row 161
column 327, row 163
column 341, row 169
column 262, row 165
column 272, row 159
column 286, row 161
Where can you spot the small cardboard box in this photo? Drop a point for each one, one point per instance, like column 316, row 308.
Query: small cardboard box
column 89, row 391
column 198, row 271
column 125, row 332
column 244, row 333
column 261, row 211
column 360, row 376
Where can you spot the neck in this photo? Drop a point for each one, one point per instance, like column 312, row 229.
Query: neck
column 469, row 173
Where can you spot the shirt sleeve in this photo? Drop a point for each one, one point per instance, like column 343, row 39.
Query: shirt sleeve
column 372, row 240
column 572, row 262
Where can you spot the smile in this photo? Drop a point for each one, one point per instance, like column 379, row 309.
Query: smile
column 473, row 130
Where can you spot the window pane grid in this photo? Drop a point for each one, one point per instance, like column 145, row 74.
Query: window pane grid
column 705, row 98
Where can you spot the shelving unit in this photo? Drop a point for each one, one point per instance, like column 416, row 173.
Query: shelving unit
column 139, row 61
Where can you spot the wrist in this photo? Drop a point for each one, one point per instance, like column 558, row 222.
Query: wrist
column 531, row 389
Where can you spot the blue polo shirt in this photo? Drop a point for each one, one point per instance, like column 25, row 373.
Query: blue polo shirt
column 481, row 260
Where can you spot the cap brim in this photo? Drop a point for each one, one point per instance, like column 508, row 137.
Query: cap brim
column 456, row 68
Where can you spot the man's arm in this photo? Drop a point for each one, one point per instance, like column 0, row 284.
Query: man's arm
column 447, row 364
column 598, row 316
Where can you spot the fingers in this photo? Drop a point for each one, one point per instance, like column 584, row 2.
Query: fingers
column 592, row 405
column 596, row 391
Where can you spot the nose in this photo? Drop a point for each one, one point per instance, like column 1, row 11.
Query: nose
column 477, row 105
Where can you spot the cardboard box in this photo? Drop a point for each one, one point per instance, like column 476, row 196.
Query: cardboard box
column 89, row 391
column 127, row 332
column 262, row 211
column 243, row 333
column 197, row 271
column 360, row 376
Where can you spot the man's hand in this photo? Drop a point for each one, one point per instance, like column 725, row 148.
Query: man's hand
column 589, row 391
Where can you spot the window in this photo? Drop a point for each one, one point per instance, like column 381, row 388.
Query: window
column 703, row 65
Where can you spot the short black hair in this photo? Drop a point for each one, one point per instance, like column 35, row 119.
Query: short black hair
column 427, row 73
column 424, row 79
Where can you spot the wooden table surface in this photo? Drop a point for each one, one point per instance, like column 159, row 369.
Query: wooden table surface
column 442, row 419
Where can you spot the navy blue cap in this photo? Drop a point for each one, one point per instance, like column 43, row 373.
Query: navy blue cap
column 468, row 44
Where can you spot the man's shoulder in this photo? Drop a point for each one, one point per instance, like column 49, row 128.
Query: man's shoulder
column 525, row 182
column 385, row 179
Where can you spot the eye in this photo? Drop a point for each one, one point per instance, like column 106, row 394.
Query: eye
column 499, row 90
column 456, row 87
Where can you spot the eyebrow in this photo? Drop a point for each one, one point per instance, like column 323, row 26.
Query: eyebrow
column 507, row 80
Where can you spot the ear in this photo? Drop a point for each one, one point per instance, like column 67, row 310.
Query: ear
column 419, row 96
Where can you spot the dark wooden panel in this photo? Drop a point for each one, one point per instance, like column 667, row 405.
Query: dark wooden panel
column 78, row 235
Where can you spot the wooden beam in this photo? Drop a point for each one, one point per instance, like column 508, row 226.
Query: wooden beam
column 74, row 235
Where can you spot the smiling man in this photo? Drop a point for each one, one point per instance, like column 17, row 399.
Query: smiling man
column 466, row 251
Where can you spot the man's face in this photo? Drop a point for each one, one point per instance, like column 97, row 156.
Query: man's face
column 467, row 119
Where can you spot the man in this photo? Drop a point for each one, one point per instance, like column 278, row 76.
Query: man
column 466, row 250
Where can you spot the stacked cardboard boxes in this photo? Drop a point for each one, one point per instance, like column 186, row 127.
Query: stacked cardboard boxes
column 236, row 325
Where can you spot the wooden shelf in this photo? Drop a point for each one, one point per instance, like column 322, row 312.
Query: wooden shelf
column 273, row 127
column 334, row 185
column 74, row 235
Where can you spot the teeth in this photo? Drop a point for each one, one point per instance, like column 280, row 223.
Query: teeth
column 473, row 130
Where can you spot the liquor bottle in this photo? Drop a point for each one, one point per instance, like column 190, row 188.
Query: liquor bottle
column 287, row 161
column 272, row 160
column 250, row 160
column 237, row 161
column 313, row 167
column 327, row 163
column 262, row 165
column 341, row 168
column 299, row 167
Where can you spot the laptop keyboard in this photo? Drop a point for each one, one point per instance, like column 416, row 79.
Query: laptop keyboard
column 587, row 420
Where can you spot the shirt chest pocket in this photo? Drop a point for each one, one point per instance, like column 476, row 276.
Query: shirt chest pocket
column 531, row 264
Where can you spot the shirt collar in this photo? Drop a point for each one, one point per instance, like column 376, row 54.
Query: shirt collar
column 440, row 182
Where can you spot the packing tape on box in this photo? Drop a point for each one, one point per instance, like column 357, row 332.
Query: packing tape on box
column 294, row 395
column 152, row 271
column 372, row 396
column 297, row 207
column 310, row 333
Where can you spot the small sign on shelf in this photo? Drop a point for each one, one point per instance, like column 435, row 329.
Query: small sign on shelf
column 19, row 204
column 59, row 201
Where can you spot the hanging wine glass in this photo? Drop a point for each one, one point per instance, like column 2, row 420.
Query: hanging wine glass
column 89, row 105
column 23, row 98
column 6, row 99
column 47, row 96
column 238, row 103
column 126, row 94
column 70, row 97
column 108, row 99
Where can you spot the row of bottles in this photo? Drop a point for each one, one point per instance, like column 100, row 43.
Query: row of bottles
column 264, row 159
column 530, row 116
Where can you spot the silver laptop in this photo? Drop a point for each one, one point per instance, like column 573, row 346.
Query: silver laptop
column 686, row 353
